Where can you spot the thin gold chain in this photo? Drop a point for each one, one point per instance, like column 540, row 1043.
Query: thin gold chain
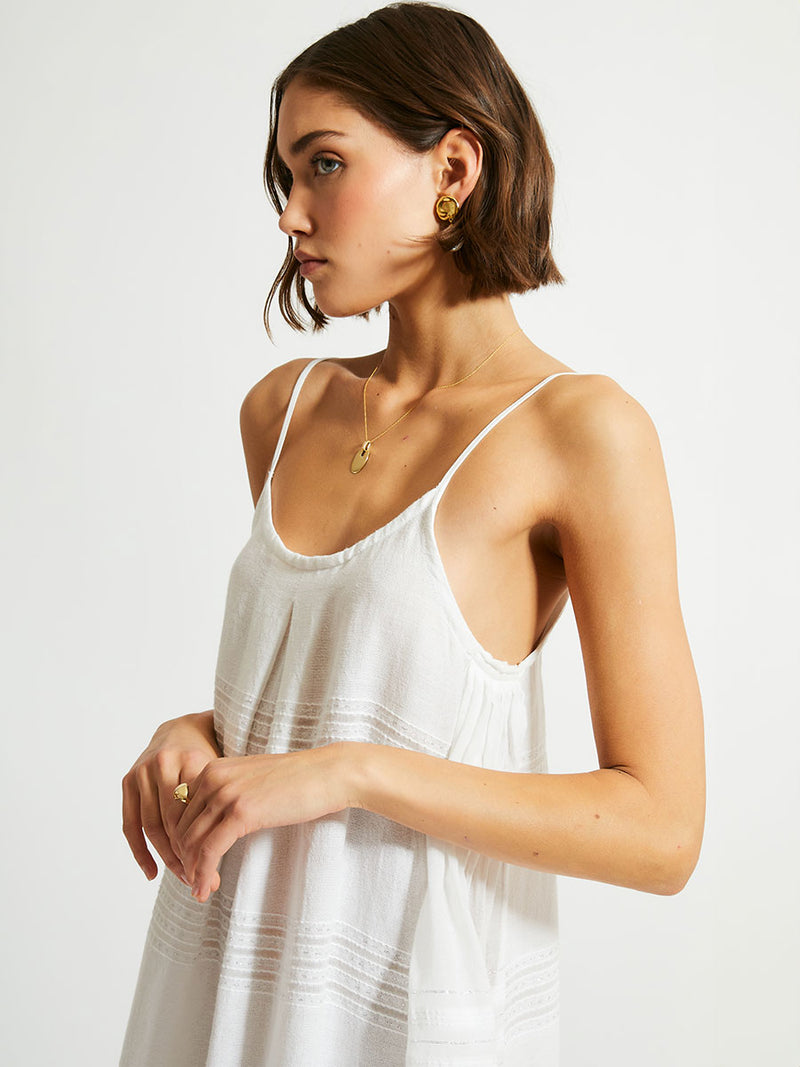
column 448, row 386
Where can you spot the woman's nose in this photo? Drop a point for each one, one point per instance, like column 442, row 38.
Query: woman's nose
column 294, row 218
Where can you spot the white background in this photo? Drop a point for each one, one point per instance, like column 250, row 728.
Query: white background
column 138, row 247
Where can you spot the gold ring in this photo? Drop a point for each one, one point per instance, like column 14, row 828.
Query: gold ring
column 182, row 793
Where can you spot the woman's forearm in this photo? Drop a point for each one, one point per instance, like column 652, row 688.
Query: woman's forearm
column 601, row 824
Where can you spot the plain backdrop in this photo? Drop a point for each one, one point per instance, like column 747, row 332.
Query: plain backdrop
column 138, row 247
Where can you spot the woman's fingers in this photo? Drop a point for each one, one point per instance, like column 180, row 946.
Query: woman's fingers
column 150, row 810
column 178, row 752
column 211, row 822
column 132, row 827
column 201, row 815
column 150, row 806
column 172, row 810
column 205, row 878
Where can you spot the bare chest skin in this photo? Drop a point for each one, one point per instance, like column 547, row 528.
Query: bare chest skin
column 497, row 545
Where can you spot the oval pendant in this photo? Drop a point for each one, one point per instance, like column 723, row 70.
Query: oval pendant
column 360, row 458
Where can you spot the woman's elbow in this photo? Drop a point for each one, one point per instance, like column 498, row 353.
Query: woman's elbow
column 676, row 860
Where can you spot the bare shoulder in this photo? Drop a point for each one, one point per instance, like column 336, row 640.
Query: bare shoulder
column 261, row 416
column 593, row 411
column 591, row 418
column 604, row 445
column 266, row 401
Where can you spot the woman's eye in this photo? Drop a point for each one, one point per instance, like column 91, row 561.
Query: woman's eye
column 325, row 165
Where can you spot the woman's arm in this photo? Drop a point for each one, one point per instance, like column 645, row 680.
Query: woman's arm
column 637, row 820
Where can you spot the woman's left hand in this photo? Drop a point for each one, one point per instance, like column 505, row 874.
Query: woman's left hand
column 238, row 795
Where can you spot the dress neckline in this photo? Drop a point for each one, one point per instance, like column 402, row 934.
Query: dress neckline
column 332, row 559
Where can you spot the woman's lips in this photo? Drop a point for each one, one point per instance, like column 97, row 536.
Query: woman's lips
column 311, row 266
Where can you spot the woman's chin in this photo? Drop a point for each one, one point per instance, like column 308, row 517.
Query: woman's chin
column 341, row 309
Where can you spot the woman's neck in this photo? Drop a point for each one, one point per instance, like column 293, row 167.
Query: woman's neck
column 433, row 346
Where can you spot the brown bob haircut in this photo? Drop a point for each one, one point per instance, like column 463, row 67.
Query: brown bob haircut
column 419, row 70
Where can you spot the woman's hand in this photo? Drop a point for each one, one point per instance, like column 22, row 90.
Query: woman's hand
column 235, row 796
column 178, row 752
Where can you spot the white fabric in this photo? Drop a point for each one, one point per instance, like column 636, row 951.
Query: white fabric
column 353, row 940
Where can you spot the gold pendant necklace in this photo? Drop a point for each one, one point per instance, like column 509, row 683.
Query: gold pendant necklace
column 359, row 460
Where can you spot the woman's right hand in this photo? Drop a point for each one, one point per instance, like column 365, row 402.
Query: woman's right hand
column 178, row 752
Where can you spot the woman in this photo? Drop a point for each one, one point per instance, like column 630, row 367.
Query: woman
column 364, row 827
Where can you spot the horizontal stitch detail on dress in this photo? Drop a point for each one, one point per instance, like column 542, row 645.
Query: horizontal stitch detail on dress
column 544, row 958
column 389, row 722
column 375, row 997
column 261, row 925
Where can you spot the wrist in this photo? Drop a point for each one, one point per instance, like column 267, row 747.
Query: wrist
column 188, row 730
column 356, row 759
column 204, row 720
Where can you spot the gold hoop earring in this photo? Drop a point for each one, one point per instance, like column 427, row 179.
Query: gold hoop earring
column 446, row 208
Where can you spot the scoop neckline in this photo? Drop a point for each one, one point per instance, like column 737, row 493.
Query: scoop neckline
column 332, row 559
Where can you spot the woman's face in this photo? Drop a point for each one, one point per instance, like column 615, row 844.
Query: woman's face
column 357, row 199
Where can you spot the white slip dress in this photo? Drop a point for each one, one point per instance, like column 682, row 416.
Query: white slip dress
column 354, row 941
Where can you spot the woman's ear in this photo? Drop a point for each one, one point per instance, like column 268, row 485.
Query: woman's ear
column 458, row 159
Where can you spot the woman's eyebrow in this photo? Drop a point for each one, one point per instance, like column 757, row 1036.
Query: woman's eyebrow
column 308, row 138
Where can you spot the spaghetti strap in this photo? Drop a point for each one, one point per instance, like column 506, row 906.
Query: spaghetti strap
column 289, row 409
column 440, row 488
